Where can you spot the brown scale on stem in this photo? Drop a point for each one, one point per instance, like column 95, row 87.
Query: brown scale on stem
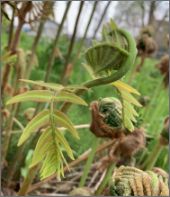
column 163, row 67
column 146, row 45
column 127, row 144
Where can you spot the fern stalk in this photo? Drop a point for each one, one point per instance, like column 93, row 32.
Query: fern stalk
column 14, row 170
column 89, row 162
column 153, row 156
column 148, row 110
column 7, row 137
column 106, row 179
column 28, row 180
column 157, row 111
column 52, row 55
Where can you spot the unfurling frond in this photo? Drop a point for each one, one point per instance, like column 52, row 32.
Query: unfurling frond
column 111, row 58
column 51, row 144
column 129, row 113
column 131, row 181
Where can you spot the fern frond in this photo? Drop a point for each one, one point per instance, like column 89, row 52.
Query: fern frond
column 128, row 102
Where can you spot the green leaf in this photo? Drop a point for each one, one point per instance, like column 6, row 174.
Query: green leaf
column 128, row 124
column 104, row 57
column 51, row 164
column 46, row 96
column 128, row 97
column 62, row 120
column 52, row 86
column 64, row 142
column 128, row 111
column 33, row 95
column 130, row 108
column 123, row 86
column 70, row 97
column 37, row 122
column 44, row 144
column 129, row 115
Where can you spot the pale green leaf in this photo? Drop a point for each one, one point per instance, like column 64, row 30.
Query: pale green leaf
column 62, row 120
column 130, row 108
column 123, row 86
column 70, row 97
column 46, row 96
column 33, row 95
column 44, row 145
column 128, row 97
column 64, row 160
column 129, row 114
column 52, row 86
column 37, row 122
column 50, row 165
column 128, row 124
column 63, row 141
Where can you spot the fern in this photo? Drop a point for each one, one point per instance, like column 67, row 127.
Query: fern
column 129, row 113
column 51, row 143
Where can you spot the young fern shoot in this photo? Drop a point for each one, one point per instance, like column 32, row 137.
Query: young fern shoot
column 50, row 146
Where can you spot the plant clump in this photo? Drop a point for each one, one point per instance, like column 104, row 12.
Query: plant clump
column 131, row 181
column 145, row 43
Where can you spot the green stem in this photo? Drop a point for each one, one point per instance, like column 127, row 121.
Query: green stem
column 27, row 181
column 153, row 156
column 106, row 179
column 148, row 110
column 156, row 113
column 9, row 123
column 52, row 55
column 89, row 162
column 14, row 169
column 7, row 138
column 72, row 42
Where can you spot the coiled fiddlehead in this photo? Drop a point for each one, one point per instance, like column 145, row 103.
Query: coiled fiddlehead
column 111, row 109
column 132, row 181
column 111, row 58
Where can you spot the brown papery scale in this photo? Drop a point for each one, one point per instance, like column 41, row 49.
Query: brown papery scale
column 145, row 42
column 163, row 67
column 99, row 126
column 107, row 122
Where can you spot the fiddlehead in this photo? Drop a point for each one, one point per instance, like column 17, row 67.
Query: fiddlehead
column 131, row 181
column 116, row 52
